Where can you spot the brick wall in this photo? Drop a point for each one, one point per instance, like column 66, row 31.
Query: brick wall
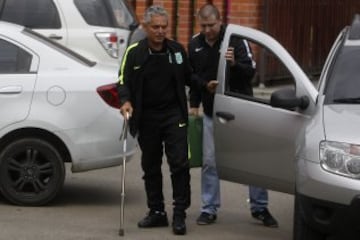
column 247, row 13
column 182, row 20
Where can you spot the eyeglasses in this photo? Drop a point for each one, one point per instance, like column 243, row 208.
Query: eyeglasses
column 209, row 25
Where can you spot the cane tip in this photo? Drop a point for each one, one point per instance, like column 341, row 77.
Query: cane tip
column 121, row 232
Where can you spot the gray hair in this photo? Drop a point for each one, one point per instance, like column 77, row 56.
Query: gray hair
column 154, row 10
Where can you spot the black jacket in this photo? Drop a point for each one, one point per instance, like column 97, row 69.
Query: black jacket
column 202, row 62
column 131, row 76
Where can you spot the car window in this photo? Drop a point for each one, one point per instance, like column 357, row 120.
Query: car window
column 37, row 14
column 13, row 59
column 343, row 82
column 106, row 13
column 259, row 85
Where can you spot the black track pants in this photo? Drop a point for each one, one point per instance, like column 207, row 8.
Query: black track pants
column 159, row 132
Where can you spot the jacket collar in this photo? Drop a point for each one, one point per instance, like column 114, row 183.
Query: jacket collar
column 144, row 52
column 167, row 45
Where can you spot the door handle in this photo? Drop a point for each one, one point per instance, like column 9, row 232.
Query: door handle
column 55, row 37
column 225, row 116
column 11, row 90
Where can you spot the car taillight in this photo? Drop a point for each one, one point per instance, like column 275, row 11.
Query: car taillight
column 110, row 95
column 110, row 43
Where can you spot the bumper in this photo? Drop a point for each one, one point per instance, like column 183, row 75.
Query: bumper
column 332, row 218
column 330, row 203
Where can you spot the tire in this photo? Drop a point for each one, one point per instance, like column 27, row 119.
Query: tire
column 302, row 231
column 32, row 172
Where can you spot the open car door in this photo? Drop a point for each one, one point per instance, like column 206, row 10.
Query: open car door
column 255, row 141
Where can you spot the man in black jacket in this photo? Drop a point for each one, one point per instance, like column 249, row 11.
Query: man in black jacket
column 151, row 87
column 204, row 53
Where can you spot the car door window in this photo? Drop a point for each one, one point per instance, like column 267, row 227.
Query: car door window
column 269, row 73
column 342, row 85
column 106, row 13
column 37, row 14
column 13, row 59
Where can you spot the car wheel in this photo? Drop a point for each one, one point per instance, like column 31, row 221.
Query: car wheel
column 302, row 231
column 32, row 172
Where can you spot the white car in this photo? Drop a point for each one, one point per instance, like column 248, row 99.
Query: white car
column 55, row 107
column 302, row 139
column 97, row 29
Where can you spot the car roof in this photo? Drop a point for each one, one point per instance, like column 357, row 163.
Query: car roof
column 11, row 29
column 4, row 26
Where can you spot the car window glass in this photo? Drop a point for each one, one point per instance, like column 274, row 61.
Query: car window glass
column 270, row 73
column 123, row 16
column 38, row 14
column 1, row 5
column 13, row 59
column 343, row 82
column 107, row 13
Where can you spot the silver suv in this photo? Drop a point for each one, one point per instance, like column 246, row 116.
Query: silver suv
column 301, row 139
column 97, row 29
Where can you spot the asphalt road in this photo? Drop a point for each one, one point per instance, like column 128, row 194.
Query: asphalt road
column 88, row 208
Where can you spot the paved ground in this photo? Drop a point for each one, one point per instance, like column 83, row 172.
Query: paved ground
column 88, row 209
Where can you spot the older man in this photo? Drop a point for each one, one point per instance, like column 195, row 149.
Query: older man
column 151, row 87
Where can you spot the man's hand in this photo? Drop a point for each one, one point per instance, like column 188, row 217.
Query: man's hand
column 211, row 85
column 194, row 111
column 126, row 108
column 229, row 56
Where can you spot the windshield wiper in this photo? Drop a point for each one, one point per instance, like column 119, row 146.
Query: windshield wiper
column 347, row 100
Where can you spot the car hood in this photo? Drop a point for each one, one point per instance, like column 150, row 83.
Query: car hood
column 341, row 123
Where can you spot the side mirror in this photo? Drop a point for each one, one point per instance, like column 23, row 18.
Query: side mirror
column 286, row 98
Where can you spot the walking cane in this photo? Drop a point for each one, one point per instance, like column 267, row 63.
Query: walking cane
column 123, row 138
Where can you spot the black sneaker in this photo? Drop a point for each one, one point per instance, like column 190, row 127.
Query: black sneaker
column 154, row 219
column 206, row 218
column 265, row 216
column 178, row 225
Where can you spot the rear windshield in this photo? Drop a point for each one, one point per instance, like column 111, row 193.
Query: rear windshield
column 106, row 13
column 343, row 83
column 71, row 54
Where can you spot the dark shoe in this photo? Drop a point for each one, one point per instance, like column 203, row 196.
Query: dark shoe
column 265, row 216
column 154, row 219
column 206, row 218
column 178, row 225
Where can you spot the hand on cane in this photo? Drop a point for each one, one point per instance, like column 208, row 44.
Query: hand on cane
column 126, row 110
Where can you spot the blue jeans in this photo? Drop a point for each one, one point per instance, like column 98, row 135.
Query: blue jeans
column 210, row 184
column 258, row 198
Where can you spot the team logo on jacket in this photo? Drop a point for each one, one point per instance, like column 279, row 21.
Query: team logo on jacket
column 179, row 58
